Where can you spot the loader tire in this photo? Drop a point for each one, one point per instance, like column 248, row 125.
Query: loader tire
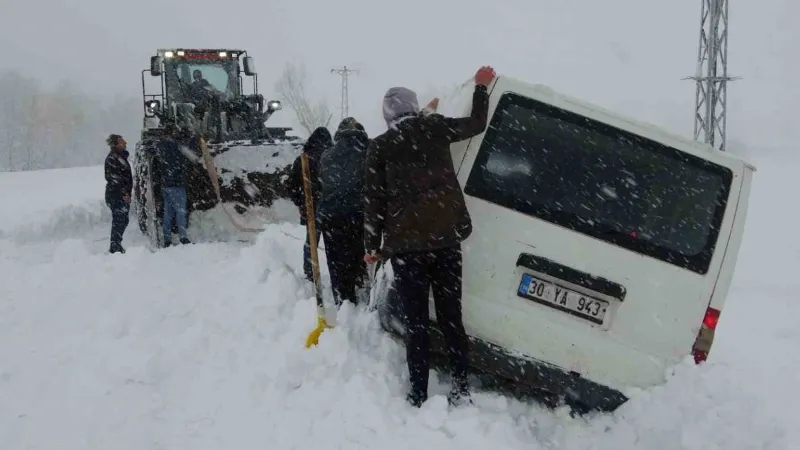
column 141, row 218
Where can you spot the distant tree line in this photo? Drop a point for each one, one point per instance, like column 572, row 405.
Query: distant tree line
column 60, row 127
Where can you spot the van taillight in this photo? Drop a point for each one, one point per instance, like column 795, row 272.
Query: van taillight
column 705, row 337
column 711, row 318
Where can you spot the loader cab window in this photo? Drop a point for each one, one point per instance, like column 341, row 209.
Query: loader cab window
column 187, row 81
column 601, row 181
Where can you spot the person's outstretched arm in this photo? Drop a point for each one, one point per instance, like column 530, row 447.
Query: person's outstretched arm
column 458, row 129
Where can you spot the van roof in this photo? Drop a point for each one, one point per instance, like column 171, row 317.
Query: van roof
column 628, row 123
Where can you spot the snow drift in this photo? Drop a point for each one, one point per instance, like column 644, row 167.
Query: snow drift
column 202, row 347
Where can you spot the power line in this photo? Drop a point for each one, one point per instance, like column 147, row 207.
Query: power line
column 344, row 72
column 711, row 76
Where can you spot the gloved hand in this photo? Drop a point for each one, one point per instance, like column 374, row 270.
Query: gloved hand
column 485, row 75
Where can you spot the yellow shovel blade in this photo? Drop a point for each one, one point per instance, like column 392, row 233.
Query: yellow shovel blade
column 313, row 338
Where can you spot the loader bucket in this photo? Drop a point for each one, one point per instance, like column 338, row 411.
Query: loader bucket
column 248, row 174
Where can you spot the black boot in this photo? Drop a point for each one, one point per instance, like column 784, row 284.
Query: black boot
column 459, row 398
column 116, row 247
column 459, row 393
column 416, row 398
column 185, row 241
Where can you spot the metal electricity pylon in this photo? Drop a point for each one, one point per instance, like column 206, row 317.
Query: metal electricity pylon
column 711, row 77
column 344, row 72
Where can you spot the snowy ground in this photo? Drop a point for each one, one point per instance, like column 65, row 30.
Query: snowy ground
column 202, row 347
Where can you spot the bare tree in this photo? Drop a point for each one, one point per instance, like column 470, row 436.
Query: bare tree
column 291, row 88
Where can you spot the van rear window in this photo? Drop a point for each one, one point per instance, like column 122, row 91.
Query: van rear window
column 601, row 181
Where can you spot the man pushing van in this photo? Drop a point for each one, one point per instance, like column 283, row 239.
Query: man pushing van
column 414, row 202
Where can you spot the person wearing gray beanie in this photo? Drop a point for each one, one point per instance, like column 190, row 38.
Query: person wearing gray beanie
column 399, row 103
column 415, row 213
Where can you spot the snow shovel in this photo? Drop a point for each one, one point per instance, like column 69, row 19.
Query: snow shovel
column 322, row 324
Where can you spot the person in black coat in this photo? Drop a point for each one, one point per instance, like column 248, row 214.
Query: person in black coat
column 119, row 184
column 341, row 209
column 175, row 159
column 319, row 141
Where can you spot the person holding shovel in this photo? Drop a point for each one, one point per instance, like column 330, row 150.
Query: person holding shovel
column 340, row 214
column 319, row 141
column 415, row 214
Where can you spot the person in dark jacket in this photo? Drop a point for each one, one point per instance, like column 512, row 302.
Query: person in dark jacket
column 341, row 209
column 119, row 184
column 175, row 158
column 414, row 202
column 319, row 141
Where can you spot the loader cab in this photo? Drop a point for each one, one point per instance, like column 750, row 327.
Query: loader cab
column 192, row 81
column 203, row 90
column 602, row 247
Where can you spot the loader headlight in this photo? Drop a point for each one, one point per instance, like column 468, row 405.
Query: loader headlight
column 151, row 107
column 274, row 105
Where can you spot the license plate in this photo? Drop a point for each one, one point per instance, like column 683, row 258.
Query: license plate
column 563, row 299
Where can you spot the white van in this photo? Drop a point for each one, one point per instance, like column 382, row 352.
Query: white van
column 602, row 248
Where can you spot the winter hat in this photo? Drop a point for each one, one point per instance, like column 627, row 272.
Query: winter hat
column 349, row 123
column 320, row 139
column 399, row 102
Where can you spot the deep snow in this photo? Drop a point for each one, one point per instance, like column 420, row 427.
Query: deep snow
column 202, row 347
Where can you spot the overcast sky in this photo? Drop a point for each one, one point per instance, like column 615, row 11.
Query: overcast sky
column 627, row 55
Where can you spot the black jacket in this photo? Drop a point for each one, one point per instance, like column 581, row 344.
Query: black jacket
column 174, row 164
column 119, row 177
column 341, row 172
column 319, row 141
column 412, row 196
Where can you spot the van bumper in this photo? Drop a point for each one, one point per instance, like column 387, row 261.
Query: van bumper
column 516, row 369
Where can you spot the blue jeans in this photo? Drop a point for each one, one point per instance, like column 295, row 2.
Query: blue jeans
column 174, row 208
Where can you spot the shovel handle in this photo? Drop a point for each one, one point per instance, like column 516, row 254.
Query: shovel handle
column 311, row 227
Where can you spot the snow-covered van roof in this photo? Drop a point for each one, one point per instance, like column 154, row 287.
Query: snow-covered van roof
column 458, row 103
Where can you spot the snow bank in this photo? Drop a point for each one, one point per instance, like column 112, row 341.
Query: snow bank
column 31, row 197
column 202, row 347
column 215, row 225
column 51, row 205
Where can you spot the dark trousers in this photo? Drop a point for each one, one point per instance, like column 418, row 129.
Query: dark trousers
column 344, row 249
column 120, row 216
column 307, row 267
column 415, row 275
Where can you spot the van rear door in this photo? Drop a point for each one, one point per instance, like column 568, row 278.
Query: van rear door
column 594, row 248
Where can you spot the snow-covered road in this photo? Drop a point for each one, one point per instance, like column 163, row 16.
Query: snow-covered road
column 202, row 347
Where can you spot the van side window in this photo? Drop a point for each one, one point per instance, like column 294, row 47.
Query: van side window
column 601, row 181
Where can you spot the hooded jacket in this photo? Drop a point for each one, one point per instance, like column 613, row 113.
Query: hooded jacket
column 412, row 198
column 319, row 141
column 341, row 170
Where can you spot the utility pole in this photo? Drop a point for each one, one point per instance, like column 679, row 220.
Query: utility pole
column 711, row 77
column 344, row 72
